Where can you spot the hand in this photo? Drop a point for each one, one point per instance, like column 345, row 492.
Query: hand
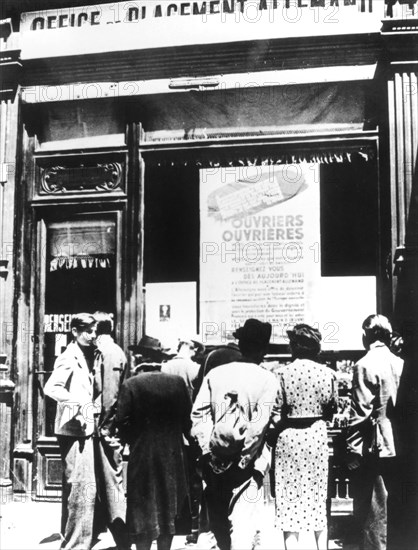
column 113, row 442
column 80, row 418
column 353, row 461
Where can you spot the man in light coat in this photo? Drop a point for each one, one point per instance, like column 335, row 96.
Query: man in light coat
column 182, row 363
column 75, row 385
column 372, row 434
column 234, row 487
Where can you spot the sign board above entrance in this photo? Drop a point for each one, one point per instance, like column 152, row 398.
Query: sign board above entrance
column 144, row 24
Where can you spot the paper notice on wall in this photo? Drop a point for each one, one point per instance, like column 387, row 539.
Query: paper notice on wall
column 61, row 342
column 170, row 311
column 260, row 248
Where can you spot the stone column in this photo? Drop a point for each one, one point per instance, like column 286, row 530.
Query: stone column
column 9, row 113
column 400, row 35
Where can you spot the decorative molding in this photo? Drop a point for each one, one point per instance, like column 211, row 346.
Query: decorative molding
column 81, row 179
column 401, row 9
column 4, row 271
column 10, row 65
column 24, row 450
column 262, row 151
column 403, row 136
column 6, row 386
column 400, row 26
column 400, row 39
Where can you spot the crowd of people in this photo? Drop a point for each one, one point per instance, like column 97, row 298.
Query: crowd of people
column 203, row 437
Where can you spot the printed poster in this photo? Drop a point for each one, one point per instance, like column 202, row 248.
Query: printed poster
column 260, row 248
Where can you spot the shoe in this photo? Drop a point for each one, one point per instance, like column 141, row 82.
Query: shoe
column 192, row 538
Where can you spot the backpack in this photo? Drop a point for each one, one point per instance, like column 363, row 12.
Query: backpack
column 228, row 435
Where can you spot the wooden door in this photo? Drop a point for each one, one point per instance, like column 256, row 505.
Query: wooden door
column 79, row 265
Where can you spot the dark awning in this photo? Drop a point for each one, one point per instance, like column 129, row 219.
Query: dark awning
column 323, row 122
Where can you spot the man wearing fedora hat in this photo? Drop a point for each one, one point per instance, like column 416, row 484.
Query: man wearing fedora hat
column 233, row 490
column 149, row 354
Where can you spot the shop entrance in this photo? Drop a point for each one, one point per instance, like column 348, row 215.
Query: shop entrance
column 79, row 263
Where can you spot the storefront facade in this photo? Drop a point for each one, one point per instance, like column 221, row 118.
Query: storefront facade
column 131, row 134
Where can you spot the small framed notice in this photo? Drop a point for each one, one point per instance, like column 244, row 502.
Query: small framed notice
column 170, row 311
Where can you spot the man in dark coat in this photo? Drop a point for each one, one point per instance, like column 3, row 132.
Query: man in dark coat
column 153, row 415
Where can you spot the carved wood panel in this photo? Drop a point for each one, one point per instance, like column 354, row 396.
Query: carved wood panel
column 97, row 177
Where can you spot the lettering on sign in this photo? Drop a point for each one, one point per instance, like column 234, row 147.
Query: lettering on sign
column 57, row 322
column 131, row 12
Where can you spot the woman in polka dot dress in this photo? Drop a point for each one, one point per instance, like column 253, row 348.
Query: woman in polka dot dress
column 306, row 399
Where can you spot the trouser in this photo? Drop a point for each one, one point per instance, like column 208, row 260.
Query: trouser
column 196, row 488
column 377, row 503
column 78, row 492
column 92, row 494
column 110, row 499
column 234, row 508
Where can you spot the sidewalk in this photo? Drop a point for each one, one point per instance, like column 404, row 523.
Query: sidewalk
column 36, row 525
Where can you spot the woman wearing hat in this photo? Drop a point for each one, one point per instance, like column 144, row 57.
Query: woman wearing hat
column 305, row 400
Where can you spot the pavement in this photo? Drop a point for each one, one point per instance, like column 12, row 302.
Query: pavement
column 34, row 525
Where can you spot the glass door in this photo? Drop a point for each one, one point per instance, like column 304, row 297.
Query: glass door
column 80, row 270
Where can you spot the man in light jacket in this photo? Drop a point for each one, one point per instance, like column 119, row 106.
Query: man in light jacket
column 372, row 434
column 234, row 486
column 75, row 385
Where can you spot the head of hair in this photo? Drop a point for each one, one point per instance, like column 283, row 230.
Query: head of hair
column 82, row 321
column 377, row 328
column 104, row 322
column 304, row 341
column 187, row 343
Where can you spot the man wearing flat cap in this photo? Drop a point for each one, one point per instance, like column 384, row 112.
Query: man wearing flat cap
column 234, row 473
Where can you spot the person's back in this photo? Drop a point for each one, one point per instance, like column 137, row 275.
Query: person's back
column 184, row 367
column 153, row 414
column 249, row 380
column 157, row 399
column 221, row 356
column 371, row 440
column 308, row 387
column 375, row 387
column 114, row 365
column 232, row 461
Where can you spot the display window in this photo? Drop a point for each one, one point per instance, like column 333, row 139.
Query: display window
column 285, row 243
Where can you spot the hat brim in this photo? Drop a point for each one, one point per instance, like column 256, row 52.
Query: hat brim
column 144, row 350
